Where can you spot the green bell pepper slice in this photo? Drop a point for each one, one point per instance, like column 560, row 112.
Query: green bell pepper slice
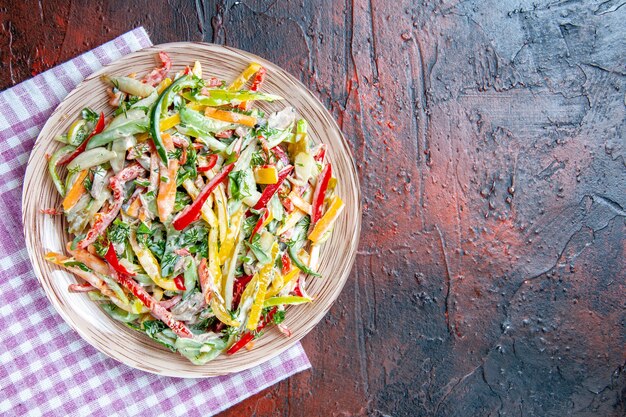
column 219, row 97
column 298, row 263
column 160, row 107
column 52, row 167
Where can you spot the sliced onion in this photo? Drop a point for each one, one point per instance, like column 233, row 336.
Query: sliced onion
column 98, row 183
column 130, row 85
column 91, row 158
column 282, row 119
column 305, row 166
column 120, row 146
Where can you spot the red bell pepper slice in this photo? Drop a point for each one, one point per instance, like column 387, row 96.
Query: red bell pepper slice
column 210, row 163
column 158, row 74
column 224, row 134
column 319, row 157
column 288, row 205
column 320, row 193
column 157, row 310
column 237, row 146
column 86, row 287
column 180, row 283
column 191, row 213
column 260, row 222
column 111, row 258
column 240, row 286
column 256, row 84
column 81, row 148
column 258, row 79
column 247, row 337
column 280, row 154
column 271, row 189
column 286, row 261
column 297, row 291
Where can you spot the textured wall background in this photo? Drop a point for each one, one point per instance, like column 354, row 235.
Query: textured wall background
column 489, row 137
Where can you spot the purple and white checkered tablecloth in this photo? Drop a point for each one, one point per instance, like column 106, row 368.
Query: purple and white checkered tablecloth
column 45, row 367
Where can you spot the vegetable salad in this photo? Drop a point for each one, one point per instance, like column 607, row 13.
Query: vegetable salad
column 196, row 217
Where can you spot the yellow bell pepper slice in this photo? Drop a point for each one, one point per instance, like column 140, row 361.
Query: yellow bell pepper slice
column 213, row 297
column 300, row 203
column 221, row 313
column 169, row 122
column 149, row 263
column 228, row 244
column 277, row 282
column 243, row 78
column 134, row 306
column 229, row 268
column 250, row 289
column 229, row 116
column 270, row 217
column 164, row 84
column 325, row 223
column 265, row 276
column 221, row 210
column 197, row 69
column 196, row 106
column 286, row 279
column 137, row 307
column 56, row 258
column 214, row 260
column 291, row 220
column 76, row 192
column 288, row 299
column 266, row 174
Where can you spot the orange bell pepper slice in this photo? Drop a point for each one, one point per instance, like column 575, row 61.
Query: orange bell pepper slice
column 229, row 116
column 327, row 220
column 243, row 78
column 264, row 278
column 76, row 192
column 167, row 183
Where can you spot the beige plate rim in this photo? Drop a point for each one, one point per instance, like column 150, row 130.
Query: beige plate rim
column 266, row 349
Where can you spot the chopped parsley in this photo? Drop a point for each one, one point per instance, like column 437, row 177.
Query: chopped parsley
column 142, row 182
column 78, row 265
column 182, row 200
column 279, row 317
column 257, row 158
column 143, row 233
column 89, row 115
column 175, row 154
column 238, row 186
column 118, row 232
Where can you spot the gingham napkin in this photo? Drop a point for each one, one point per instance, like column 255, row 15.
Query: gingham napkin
column 45, row 367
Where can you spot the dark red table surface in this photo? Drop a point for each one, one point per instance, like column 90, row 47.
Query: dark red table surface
column 489, row 137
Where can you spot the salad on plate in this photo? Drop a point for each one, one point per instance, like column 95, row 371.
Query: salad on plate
column 196, row 217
